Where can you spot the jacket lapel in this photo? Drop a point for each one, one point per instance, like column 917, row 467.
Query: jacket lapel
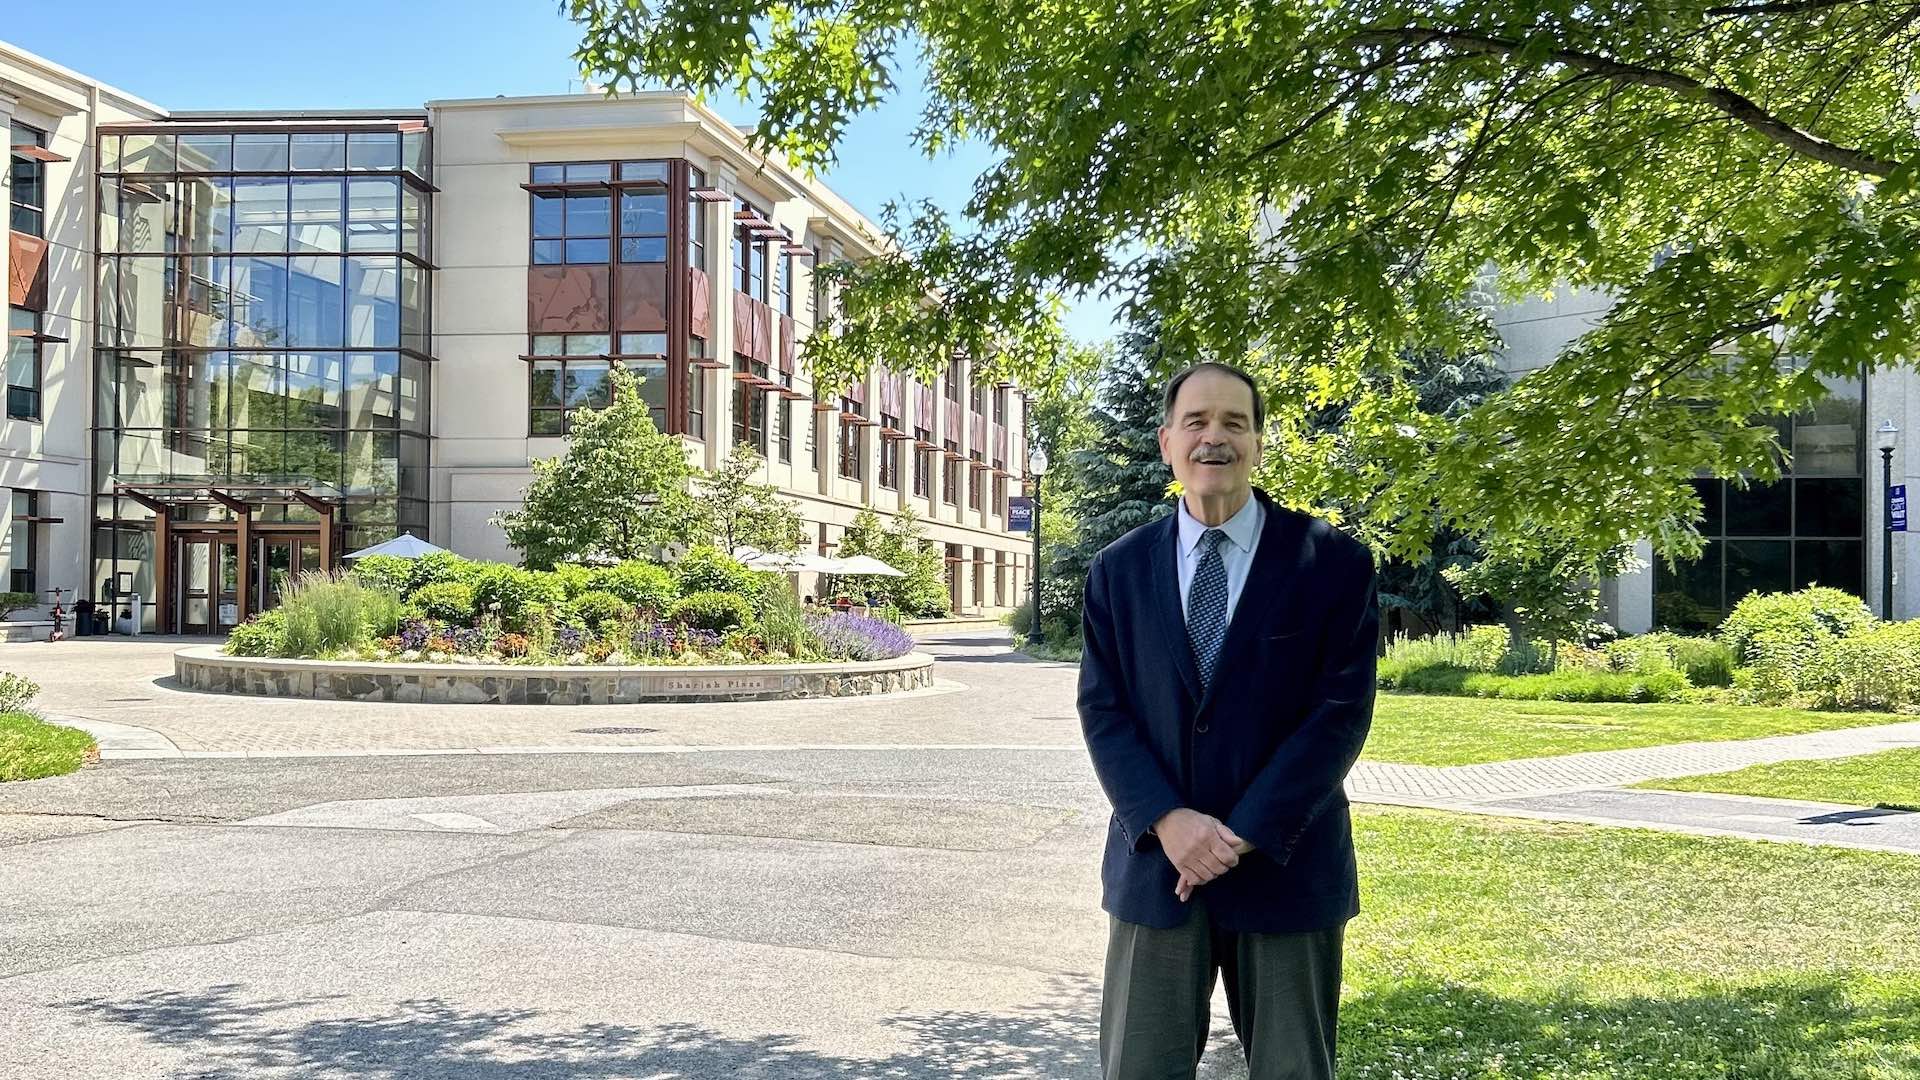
column 1273, row 583
column 1165, row 577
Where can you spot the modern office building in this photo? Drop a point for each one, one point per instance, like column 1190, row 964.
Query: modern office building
column 1821, row 523
column 242, row 344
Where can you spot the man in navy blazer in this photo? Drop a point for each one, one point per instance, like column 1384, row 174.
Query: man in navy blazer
column 1226, row 688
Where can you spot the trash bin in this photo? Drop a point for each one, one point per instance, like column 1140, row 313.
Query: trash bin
column 82, row 618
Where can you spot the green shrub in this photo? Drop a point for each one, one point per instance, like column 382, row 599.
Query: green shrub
column 717, row 611
column 11, row 602
column 511, row 590
column 644, row 585
column 17, row 692
column 1704, row 661
column 1485, row 645
column 1875, row 667
column 1569, row 685
column 783, row 622
column 263, row 635
column 387, row 572
column 574, row 579
column 1809, row 616
column 325, row 613
column 591, row 609
column 1779, row 658
column 1526, row 658
column 708, row 569
column 445, row 601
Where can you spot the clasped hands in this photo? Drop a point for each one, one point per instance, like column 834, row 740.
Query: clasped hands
column 1200, row 846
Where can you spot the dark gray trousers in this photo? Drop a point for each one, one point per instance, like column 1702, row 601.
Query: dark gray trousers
column 1283, row 993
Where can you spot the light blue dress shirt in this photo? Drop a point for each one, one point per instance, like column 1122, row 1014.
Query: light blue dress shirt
column 1236, row 555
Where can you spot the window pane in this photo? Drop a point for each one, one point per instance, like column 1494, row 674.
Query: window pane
column 549, row 345
column 653, row 385
column 1827, row 438
column 1760, row 510
column 645, row 249
column 373, row 215
column 1835, row 563
column 373, row 150
column 587, row 344
column 313, row 390
column 589, row 172
column 413, row 222
column 549, row 174
column 206, row 214
column 318, row 210
column 643, row 214
column 643, row 170
column 589, row 215
column 314, row 302
column 205, row 315
column 257, row 386
column 373, row 301
column 586, row 251
column 548, row 422
column 147, row 153
column 587, row 386
column 258, row 301
column 206, row 153
column 415, row 151
column 545, row 392
column 549, row 217
column 1710, row 490
column 1756, row 566
column 146, row 216
column 259, row 214
column 319, row 151
column 1828, row 507
column 546, row 252
column 260, row 153
column 372, row 392
column 414, row 301
column 643, row 344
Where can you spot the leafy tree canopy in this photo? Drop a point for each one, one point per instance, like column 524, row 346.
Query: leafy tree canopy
column 1316, row 187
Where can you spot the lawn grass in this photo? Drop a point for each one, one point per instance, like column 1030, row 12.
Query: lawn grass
column 1492, row 949
column 1420, row 729
column 1889, row 779
column 31, row 748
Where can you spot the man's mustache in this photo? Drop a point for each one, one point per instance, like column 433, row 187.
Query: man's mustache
column 1213, row 455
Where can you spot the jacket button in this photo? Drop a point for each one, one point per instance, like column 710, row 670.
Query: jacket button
column 1200, row 728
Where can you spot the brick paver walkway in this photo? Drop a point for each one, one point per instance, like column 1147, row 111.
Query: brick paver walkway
column 1496, row 781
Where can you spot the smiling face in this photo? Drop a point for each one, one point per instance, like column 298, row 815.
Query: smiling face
column 1209, row 438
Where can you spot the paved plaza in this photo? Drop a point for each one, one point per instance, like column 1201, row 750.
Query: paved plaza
column 893, row 887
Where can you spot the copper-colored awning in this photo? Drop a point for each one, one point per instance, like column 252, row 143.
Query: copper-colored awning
column 38, row 153
column 709, row 194
column 37, row 335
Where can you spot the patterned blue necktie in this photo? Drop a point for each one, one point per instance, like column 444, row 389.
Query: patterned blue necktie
column 1207, row 606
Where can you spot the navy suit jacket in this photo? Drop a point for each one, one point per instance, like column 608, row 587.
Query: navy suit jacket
column 1265, row 750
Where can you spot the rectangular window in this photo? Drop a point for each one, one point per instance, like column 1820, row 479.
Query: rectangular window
column 696, row 389
column 977, row 398
column 890, row 454
column 953, row 381
column 1000, row 405
column 696, row 223
column 572, row 227
column 817, row 295
column 560, row 386
column 973, row 482
column 1000, row 491
column 784, row 419
column 950, row 475
column 749, row 256
column 28, row 210
column 783, row 281
column 922, row 480
column 25, row 554
column 23, row 364
column 750, row 405
column 852, row 460
column 599, row 345
column 643, row 226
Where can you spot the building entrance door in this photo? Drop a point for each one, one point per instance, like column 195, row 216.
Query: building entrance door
column 278, row 563
column 206, row 573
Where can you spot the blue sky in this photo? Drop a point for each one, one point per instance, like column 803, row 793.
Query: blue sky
column 365, row 54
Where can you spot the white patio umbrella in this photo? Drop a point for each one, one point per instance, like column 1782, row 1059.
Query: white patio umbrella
column 799, row 562
column 867, row 566
column 406, row 546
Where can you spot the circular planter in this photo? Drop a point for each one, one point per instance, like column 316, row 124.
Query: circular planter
column 207, row 668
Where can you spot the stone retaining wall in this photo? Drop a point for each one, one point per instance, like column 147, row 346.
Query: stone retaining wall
column 208, row 669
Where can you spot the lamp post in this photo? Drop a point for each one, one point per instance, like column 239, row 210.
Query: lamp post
column 1037, row 465
column 1886, row 437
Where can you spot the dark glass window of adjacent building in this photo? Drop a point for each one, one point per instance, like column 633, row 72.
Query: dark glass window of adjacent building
column 28, row 212
column 25, row 554
column 950, row 474
column 973, row 482
column 750, row 406
column 783, row 280
column 643, row 226
column 574, row 227
column 749, row 256
column 696, row 389
column 568, row 372
column 999, row 488
column 890, row 454
column 1807, row 528
column 921, row 470
column 1000, row 405
column 852, row 461
column 783, row 420
column 696, row 223
column 23, row 364
column 953, row 381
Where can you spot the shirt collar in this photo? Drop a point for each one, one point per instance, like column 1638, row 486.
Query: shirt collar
column 1242, row 529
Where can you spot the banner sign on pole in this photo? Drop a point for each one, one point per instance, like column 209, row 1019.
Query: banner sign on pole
column 1020, row 513
column 1897, row 508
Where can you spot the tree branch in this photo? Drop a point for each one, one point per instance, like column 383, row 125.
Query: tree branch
column 1785, row 7
column 1737, row 106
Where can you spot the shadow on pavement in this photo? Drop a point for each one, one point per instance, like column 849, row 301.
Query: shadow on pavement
column 231, row 1035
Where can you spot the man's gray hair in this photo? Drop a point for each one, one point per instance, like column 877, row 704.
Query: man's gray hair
column 1173, row 391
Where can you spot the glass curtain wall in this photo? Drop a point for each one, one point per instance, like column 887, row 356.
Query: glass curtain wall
column 264, row 300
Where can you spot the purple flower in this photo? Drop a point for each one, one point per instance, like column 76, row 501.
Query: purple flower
column 859, row 637
column 568, row 640
column 414, row 634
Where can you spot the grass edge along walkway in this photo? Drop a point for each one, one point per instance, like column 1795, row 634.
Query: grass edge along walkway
column 32, row 749
column 1889, row 779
